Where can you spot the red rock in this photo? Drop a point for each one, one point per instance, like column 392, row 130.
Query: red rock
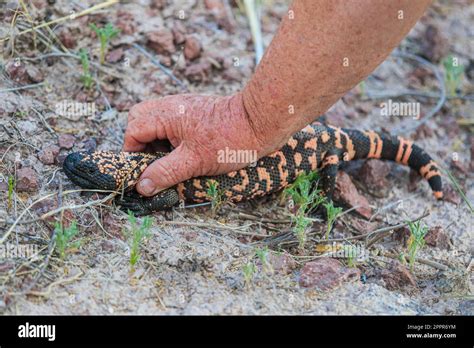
column 107, row 245
column 48, row 154
column 401, row 235
column 347, row 193
column 125, row 22
column 221, row 14
column 282, row 264
column 397, row 276
column 158, row 4
column 450, row 194
column 326, row 274
column 23, row 74
column 115, row 55
column 433, row 44
column 161, row 41
column 67, row 39
column 437, row 237
column 459, row 166
column 198, row 72
column 66, row 141
column 374, row 173
column 179, row 32
column 192, row 48
column 26, row 179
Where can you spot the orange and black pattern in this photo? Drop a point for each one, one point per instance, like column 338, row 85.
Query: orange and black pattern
column 317, row 147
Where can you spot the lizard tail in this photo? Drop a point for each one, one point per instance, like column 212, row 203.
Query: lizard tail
column 372, row 144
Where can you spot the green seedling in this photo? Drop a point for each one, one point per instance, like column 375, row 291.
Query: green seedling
column 262, row 254
column 64, row 236
column 249, row 270
column 86, row 77
column 307, row 197
column 104, row 34
column 416, row 240
column 11, row 187
column 216, row 196
column 136, row 235
column 351, row 253
column 332, row 214
column 453, row 72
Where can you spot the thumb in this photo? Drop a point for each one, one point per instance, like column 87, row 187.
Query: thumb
column 179, row 165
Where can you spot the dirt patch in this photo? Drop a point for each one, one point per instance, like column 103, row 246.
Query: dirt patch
column 245, row 259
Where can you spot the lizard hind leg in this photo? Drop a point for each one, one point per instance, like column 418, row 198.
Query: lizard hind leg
column 140, row 205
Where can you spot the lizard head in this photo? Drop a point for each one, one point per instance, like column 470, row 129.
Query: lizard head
column 104, row 170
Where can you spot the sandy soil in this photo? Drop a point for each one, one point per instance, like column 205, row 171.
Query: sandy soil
column 197, row 267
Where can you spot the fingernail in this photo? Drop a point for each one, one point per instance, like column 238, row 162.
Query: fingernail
column 147, row 187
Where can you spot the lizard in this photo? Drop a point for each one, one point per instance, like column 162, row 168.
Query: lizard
column 317, row 147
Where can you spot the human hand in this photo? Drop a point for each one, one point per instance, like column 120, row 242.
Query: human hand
column 198, row 127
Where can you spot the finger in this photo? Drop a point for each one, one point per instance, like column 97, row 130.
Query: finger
column 180, row 165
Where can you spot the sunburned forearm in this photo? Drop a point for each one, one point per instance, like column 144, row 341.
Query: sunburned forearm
column 322, row 49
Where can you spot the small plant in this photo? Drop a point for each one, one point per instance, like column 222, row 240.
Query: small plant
column 307, row 197
column 249, row 270
column 136, row 235
column 104, row 34
column 64, row 238
column 86, row 77
column 216, row 196
column 11, row 187
column 262, row 254
column 416, row 240
column 352, row 254
column 453, row 72
column 332, row 214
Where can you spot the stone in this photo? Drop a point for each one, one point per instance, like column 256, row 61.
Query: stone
column 347, row 193
column 326, row 274
column 26, row 179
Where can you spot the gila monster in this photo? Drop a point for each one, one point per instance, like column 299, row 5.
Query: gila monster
column 317, row 147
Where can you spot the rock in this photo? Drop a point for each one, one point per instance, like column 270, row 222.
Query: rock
column 192, row 48
column 48, row 154
column 401, row 235
column 360, row 225
column 397, row 276
column 115, row 56
column 434, row 45
column 107, row 245
column 125, row 22
column 158, row 4
column 374, row 173
column 26, row 179
column 437, row 237
column 450, row 194
column 16, row 70
column 198, row 72
column 161, row 41
column 221, row 14
column 232, row 74
column 67, row 39
column 179, row 33
column 66, row 141
column 190, row 235
column 326, row 274
column 34, row 74
column 347, row 193
column 282, row 264
column 89, row 145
